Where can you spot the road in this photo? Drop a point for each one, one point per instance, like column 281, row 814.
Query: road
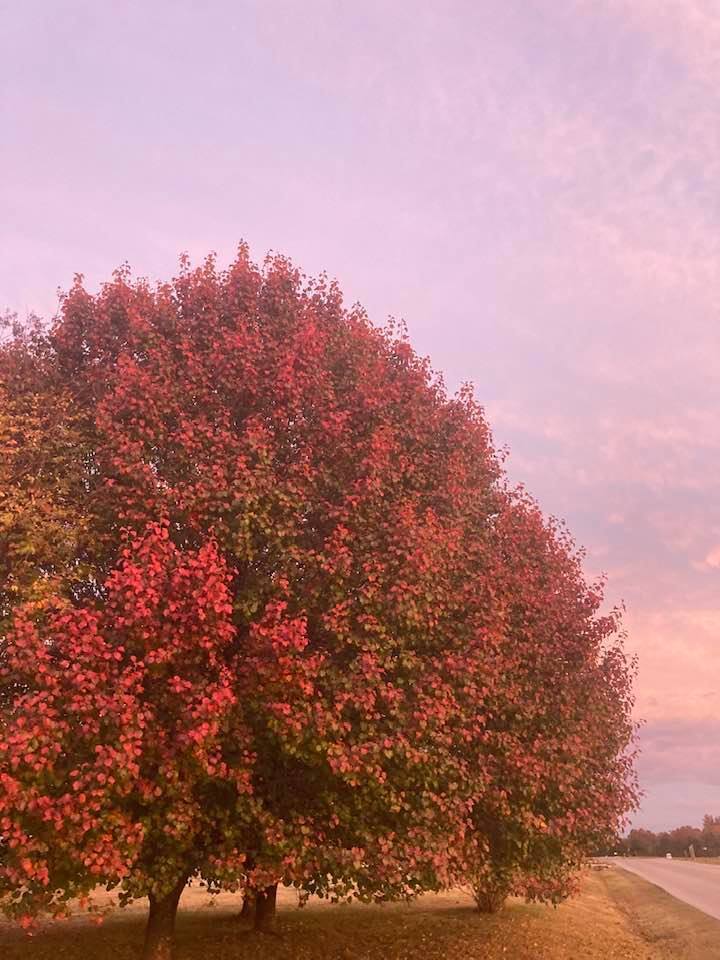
column 695, row 883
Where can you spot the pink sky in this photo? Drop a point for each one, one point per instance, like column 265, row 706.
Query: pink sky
column 532, row 184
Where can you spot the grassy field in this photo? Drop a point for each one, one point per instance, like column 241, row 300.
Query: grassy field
column 617, row 916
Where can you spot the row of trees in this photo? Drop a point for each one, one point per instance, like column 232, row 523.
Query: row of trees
column 705, row 841
column 270, row 613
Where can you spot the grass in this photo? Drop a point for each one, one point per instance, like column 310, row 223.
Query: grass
column 617, row 916
column 675, row 930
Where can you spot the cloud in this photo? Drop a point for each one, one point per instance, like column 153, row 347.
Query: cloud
column 679, row 749
column 675, row 802
column 679, row 657
column 712, row 559
column 690, row 28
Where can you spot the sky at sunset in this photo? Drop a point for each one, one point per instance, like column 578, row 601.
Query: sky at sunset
column 531, row 184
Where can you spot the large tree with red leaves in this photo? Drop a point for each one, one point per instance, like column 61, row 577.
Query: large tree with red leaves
column 270, row 613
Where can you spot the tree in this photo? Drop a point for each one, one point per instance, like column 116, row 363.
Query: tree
column 664, row 843
column 682, row 837
column 43, row 466
column 642, row 843
column 705, row 840
column 112, row 770
column 562, row 773
column 351, row 657
column 711, row 835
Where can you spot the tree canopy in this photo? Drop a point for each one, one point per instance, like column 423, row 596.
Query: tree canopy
column 271, row 612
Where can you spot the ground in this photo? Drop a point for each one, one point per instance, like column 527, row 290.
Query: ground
column 616, row 916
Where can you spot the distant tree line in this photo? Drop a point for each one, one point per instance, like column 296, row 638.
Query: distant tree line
column 705, row 841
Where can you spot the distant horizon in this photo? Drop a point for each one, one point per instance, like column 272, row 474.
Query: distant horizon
column 531, row 186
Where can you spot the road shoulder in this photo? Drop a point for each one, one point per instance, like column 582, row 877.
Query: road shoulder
column 673, row 929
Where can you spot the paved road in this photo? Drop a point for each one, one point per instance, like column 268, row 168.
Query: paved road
column 696, row 883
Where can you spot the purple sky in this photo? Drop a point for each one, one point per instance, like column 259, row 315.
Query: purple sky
column 532, row 184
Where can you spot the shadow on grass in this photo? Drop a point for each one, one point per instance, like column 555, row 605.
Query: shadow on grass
column 442, row 927
column 393, row 932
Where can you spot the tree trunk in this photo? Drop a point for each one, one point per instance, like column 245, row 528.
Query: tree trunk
column 248, row 907
column 490, row 895
column 489, row 901
column 265, row 901
column 160, row 929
